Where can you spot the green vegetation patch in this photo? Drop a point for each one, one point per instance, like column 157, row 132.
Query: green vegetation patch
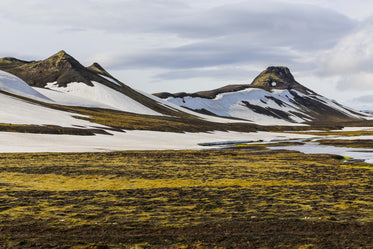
column 175, row 199
column 50, row 129
column 337, row 133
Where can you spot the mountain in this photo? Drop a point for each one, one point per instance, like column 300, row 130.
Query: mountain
column 58, row 95
column 65, row 81
column 57, row 104
column 274, row 97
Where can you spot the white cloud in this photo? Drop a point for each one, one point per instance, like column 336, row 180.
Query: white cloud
column 227, row 73
column 353, row 54
column 364, row 99
column 351, row 59
column 182, row 44
column 356, row 82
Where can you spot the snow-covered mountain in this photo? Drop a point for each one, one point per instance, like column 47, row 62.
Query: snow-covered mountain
column 30, row 92
column 63, row 80
column 274, row 97
column 40, row 100
column 19, row 111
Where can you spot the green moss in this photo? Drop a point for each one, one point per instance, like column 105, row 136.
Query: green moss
column 77, row 197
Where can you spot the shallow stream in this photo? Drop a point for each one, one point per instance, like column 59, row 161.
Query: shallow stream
column 315, row 148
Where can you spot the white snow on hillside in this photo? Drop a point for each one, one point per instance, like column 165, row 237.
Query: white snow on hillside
column 109, row 79
column 100, row 96
column 231, row 105
column 12, row 84
column 17, row 111
column 333, row 104
column 200, row 115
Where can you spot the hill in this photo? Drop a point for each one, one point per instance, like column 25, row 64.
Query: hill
column 274, row 97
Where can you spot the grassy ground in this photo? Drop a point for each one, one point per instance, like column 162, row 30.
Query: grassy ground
column 337, row 133
column 358, row 143
column 184, row 199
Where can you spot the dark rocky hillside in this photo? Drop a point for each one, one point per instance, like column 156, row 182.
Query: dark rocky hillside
column 271, row 78
column 61, row 68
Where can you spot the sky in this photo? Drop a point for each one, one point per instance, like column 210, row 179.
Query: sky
column 194, row 45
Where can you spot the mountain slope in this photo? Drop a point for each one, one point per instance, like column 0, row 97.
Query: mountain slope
column 65, row 81
column 12, row 84
column 274, row 97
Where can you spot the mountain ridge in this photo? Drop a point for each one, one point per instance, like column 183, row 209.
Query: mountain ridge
column 62, row 69
column 274, row 97
column 273, row 93
column 274, row 77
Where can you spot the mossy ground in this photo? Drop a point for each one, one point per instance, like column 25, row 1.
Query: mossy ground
column 184, row 199
column 358, row 143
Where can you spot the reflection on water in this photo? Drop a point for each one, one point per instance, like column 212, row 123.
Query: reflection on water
column 315, row 148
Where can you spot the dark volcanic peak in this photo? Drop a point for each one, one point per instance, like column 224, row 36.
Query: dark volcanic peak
column 203, row 94
column 98, row 68
column 278, row 78
column 60, row 67
column 271, row 78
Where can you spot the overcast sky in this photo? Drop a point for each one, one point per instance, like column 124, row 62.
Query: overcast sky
column 172, row 45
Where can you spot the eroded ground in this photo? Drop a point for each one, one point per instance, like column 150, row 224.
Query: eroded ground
column 185, row 199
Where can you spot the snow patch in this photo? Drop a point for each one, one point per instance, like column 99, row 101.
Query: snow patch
column 18, row 111
column 130, row 140
column 109, row 79
column 176, row 107
column 12, row 84
column 231, row 105
column 99, row 96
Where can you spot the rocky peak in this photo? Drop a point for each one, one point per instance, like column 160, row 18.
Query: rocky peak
column 62, row 59
column 278, row 78
column 60, row 67
column 98, row 69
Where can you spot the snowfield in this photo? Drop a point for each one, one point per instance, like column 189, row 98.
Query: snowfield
column 12, row 84
column 197, row 114
column 232, row 104
column 100, row 96
column 129, row 140
column 16, row 111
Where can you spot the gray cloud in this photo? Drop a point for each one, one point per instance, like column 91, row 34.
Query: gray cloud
column 364, row 99
column 263, row 32
column 264, row 22
column 180, row 40
column 225, row 73
column 205, row 54
column 299, row 26
column 110, row 15
column 352, row 54
column 356, row 82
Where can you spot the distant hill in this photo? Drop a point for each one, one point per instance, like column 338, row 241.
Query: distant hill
column 273, row 97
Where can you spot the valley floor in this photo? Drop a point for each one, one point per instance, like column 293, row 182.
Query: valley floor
column 233, row 198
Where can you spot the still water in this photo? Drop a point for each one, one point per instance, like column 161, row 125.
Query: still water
column 315, row 148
